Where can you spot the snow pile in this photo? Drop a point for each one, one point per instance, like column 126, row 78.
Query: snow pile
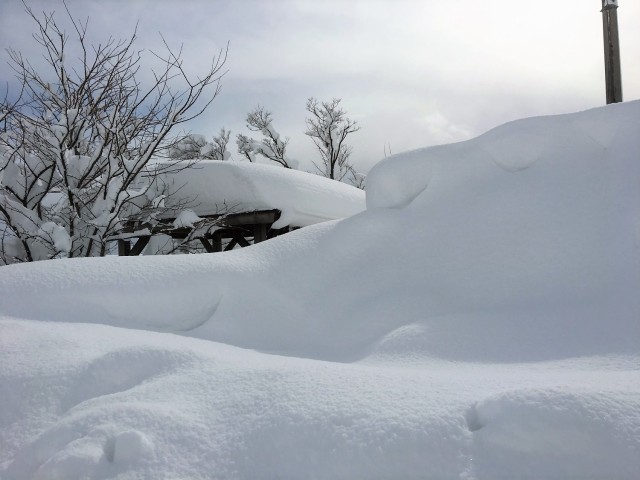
column 480, row 320
column 303, row 198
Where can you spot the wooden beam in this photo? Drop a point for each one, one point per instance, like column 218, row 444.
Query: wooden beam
column 231, row 245
column 274, row 232
column 139, row 245
column 207, row 246
column 239, row 237
column 251, row 218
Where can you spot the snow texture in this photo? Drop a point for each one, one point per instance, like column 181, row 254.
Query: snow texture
column 482, row 323
column 186, row 218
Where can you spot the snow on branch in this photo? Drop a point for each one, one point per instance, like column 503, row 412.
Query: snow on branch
column 78, row 144
column 272, row 146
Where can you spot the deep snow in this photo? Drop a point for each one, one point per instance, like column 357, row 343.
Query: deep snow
column 480, row 321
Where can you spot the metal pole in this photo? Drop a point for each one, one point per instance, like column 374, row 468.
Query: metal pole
column 612, row 73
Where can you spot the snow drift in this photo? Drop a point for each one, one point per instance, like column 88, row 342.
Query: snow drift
column 480, row 320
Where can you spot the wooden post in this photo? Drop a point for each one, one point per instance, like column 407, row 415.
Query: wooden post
column 259, row 233
column 124, row 247
column 612, row 73
column 207, row 246
column 216, row 241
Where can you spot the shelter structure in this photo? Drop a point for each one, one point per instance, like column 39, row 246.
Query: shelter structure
column 235, row 204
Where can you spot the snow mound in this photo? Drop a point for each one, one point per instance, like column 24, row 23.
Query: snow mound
column 486, row 263
column 208, row 408
column 130, row 446
column 398, row 180
column 303, row 198
column 559, row 426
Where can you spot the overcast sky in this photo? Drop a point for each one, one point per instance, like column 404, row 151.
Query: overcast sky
column 412, row 73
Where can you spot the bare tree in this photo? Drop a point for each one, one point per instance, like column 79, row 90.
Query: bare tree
column 272, row 146
column 245, row 147
column 188, row 147
column 192, row 147
column 217, row 150
column 357, row 179
column 387, row 151
column 77, row 148
column 329, row 128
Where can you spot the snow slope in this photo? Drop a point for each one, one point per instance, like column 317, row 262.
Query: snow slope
column 480, row 320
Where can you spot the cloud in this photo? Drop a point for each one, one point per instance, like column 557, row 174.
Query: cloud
column 413, row 73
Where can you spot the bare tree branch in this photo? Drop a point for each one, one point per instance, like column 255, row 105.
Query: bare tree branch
column 272, row 146
column 329, row 128
column 78, row 145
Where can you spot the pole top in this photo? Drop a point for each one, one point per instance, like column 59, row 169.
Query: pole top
column 608, row 4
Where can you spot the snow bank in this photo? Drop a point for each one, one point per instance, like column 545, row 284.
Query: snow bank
column 479, row 320
column 484, row 264
column 303, row 198
column 552, row 142
column 132, row 404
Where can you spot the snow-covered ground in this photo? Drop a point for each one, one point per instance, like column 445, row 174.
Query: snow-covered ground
column 480, row 320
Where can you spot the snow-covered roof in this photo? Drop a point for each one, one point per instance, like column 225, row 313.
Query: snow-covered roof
column 303, row 198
